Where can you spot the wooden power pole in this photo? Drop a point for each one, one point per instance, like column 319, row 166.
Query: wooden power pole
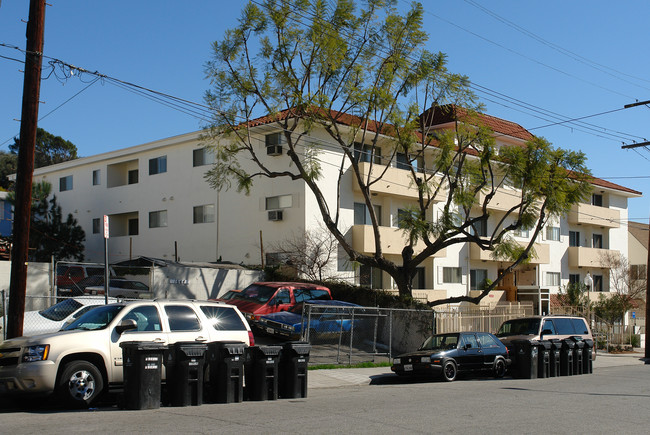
column 25, row 169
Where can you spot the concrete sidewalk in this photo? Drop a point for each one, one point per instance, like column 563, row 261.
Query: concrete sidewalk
column 332, row 378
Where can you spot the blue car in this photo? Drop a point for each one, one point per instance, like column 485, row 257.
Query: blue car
column 332, row 317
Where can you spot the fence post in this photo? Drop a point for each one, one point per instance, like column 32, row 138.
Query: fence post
column 4, row 315
column 390, row 335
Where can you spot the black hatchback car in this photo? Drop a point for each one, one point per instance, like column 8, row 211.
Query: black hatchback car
column 446, row 355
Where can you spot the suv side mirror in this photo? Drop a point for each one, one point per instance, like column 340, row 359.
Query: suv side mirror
column 546, row 332
column 126, row 325
column 467, row 346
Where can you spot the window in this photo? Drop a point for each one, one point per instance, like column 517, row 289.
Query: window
column 362, row 216
column 479, row 228
column 452, row 275
column 202, row 157
column 204, row 214
column 146, row 317
column 597, row 241
column 487, row 341
column 402, row 162
column 597, row 200
column 598, row 283
column 274, row 142
column 553, row 278
column 370, row 277
column 553, row 233
column 574, row 278
column 574, row 238
column 158, row 165
column 367, row 153
column 281, row 297
column 277, row 202
column 96, row 177
column 403, row 215
column 548, row 327
column 133, row 227
column 133, row 176
column 638, row 271
column 522, row 232
column 223, row 319
column 65, row 183
column 418, row 280
column 158, row 219
column 96, row 226
column 469, row 341
column 477, row 279
column 182, row 318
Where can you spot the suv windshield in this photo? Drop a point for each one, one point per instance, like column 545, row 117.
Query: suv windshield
column 256, row 293
column 519, row 327
column 440, row 342
column 97, row 318
column 61, row 310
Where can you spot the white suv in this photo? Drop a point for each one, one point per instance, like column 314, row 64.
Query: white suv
column 82, row 361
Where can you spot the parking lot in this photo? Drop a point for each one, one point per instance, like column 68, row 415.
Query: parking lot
column 613, row 398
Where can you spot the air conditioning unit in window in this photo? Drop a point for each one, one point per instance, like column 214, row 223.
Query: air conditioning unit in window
column 274, row 150
column 275, row 215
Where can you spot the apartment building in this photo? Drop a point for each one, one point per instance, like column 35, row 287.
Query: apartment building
column 160, row 205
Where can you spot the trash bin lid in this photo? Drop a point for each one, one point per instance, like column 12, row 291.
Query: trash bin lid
column 191, row 348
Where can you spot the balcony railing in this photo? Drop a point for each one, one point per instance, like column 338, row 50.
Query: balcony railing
column 587, row 214
column 542, row 253
column 393, row 241
column 394, row 182
column 580, row 256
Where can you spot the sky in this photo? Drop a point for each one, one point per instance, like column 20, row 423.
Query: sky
column 539, row 64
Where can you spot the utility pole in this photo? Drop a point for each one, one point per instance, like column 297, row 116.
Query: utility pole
column 647, row 304
column 25, row 169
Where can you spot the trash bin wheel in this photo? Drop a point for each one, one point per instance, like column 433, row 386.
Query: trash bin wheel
column 80, row 384
column 499, row 368
column 449, row 371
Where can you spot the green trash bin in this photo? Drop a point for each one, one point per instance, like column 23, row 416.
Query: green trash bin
column 184, row 367
column 292, row 374
column 261, row 372
column 225, row 382
column 142, row 368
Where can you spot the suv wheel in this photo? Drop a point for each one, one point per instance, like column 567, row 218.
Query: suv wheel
column 80, row 383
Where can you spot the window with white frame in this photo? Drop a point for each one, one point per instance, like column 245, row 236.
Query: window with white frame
column 96, row 177
column 203, row 214
column 362, row 215
column 202, row 157
column 553, row 233
column 96, row 226
column 522, row 232
column 65, row 183
column 597, row 200
column 133, row 176
column 553, row 278
column 479, row 228
column 158, row 165
column 452, row 275
column 598, row 283
column 574, row 278
column 597, row 241
column 638, row 271
column 158, row 219
column 367, row 153
column 370, row 277
column 477, row 279
column 574, row 238
column 278, row 202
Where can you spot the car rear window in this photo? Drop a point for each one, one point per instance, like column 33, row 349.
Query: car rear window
column 487, row 341
column 564, row 326
column 319, row 294
column 61, row 310
column 182, row 318
column 223, row 318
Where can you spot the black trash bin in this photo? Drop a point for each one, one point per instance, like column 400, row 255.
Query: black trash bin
column 577, row 354
column 292, row 376
column 527, row 359
column 566, row 357
column 588, row 356
column 142, row 367
column 184, row 367
column 261, row 372
column 555, row 357
column 225, row 383
column 544, row 362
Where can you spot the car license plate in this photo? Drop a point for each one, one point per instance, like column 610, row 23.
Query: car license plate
column 408, row 367
column 270, row 330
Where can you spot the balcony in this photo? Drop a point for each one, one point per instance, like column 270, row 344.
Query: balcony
column 503, row 199
column 588, row 214
column 542, row 253
column 393, row 241
column 590, row 257
column 394, row 182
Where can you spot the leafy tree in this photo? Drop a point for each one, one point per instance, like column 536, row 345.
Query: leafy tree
column 8, row 164
column 362, row 75
column 51, row 235
column 574, row 295
column 49, row 150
